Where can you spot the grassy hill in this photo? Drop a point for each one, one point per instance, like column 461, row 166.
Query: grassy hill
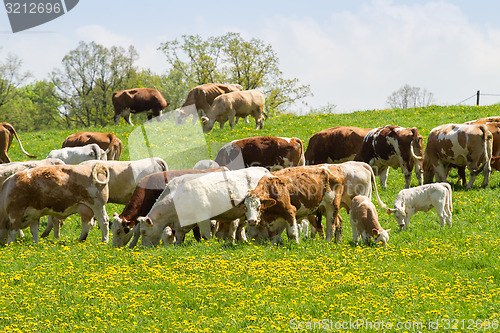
column 427, row 274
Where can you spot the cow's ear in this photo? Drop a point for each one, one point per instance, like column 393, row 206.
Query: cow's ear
column 391, row 210
column 388, row 231
column 402, row 204
column 266, row 203
column 375, row 232
column 115, row 214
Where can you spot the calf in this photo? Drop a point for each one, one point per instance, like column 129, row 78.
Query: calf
column 272, row 153
column 142, row 200
column 60, row 190
column 395, row 147
column 423, row 198
column 195, row 199
column 106, row 141
column 364, row 222
column 77, row 155
column 293, row 193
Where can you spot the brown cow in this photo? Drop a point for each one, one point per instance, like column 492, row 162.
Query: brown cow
column 335, row 145
column 395, row 147
column 235, row 104
column 294, row 193
column 269, row 152
column 461, row 145
column 201, row 98
column 60, row 191
column 364, row 222
column 144, row 197
column 106, row 141
column 138, row 100
column 7, row 134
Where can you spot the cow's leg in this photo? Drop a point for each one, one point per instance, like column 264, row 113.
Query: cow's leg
column 48, row 228
column 205, row 229
column 440, row 211
column 35, row 228
column 407, row 174
column 240, row 233
column 419, row 172
column 316, row 225
column 231, row 117
column 126, row 115
column 4, row 157
column 383, row 172
column 180, row 234
column 292, row 231
column 232, row 232
column 304, row 227
column 355, row 234
column 4, row 235
column 137, row 234
column 486, row 174
column 366, row 237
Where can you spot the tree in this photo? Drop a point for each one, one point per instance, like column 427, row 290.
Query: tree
column 410, row 97
column 231, row 59
column 90, row 75
column 11, row 78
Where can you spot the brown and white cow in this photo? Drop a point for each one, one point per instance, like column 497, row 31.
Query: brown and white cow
column 269, row 152
column 395, row 147
column 364, row 222
column 106, row 141
column 235, row 104
column 294, row 193
column 144, row 197
column 60, row 191
column 201, row 98
column 460, row 145
column 335, row 145
column 8, row 169
column 7, row 134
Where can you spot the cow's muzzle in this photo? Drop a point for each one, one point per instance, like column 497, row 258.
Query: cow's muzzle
column 252, row 223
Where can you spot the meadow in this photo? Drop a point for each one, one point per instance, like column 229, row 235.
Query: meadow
column 430, row 279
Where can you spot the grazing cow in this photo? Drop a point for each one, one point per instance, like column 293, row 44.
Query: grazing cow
column 8, row 169
column 460, row 145
column 76, row 155
column 423, row 198
column 266, row 151
column 7, row 134
column 335, row 145
column 137, row 100
column 294, row 193
column 59, row 190
column 195, row 199
column 364, row 222
column 200, row 98
column 395, row 147
column 205, row 164
column 123, row 179
column 106, row 141
column 235, row 104
column 142, row 200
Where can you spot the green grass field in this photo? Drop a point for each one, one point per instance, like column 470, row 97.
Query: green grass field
column 428, row 278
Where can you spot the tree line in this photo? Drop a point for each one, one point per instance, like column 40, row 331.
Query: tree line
column 78, row 93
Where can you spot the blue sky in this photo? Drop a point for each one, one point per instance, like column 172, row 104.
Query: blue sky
column 354, row 54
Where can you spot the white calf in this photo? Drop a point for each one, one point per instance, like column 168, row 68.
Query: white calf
column 76, row 155
column 422, row 198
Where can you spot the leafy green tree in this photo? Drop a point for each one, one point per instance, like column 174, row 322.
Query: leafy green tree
column 90, row 75
column 232, row 59
column 11, row 78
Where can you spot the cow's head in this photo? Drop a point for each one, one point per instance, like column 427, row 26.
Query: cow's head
column 122, row 230
column 168, row 236
column 150, row 235
column 399, row 211
column 253, row 207
column 381, row 236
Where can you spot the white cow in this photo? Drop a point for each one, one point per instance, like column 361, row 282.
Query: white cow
column 205, row 164
column 422, row 198
column 196, row 199
column 123, row 179
column 76, row 155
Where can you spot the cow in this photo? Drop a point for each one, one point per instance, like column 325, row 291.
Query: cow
column 195, row 199
column 142, row 200
column 335, row 145
column 235, row 104
column 106, row 141
column 493, row 125
column 423, row 198
column 59, row 190
column 395, row 147
column 200, row 98
column 76, row 155
column 205, row 164
column 8, row 169
column 460, row 145
column 123, row 179
column 286, row 195
column 7, row 134
column 364, row 222
column 269, row 152
column 137, row 100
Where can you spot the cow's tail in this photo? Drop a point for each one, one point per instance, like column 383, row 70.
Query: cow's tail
column 374, row 183
column 449, row 202
column 488, row 141
column 302, row 159
column 100, row 174
column 415, row 138
column 13, row 131
column 113, row 142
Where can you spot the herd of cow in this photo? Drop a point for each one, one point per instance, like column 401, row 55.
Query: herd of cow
column 254, row 189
